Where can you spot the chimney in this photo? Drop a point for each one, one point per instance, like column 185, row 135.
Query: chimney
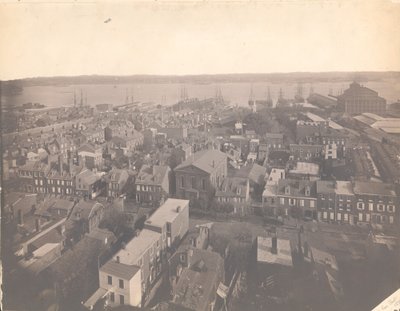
column 20, row 217
column 118, row 261
column 189, row 256
column 60, row 164
column 37, row 224
column 274, row 248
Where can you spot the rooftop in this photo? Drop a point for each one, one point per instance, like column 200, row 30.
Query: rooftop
column 152, row 174
column 205, row 160
column 374, row 188
column 167, row 212
column 137, row 246
column 120, row 270
column 265, row 255
column 305, row 168
column 194, row 288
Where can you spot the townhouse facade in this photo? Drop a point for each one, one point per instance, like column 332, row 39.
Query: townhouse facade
column 152, row 184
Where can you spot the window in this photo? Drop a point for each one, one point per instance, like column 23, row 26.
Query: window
column 325, row 215
column 332, row 215
column 121, row 299
column 301, row 203
column 339, row 216
column 112, row 297
column 360, row 205
column 346, row 217
column 390, row 208
column 193, row 182
column 292, row 201
column 109, row 280
column 282, row 201
column 371, row 206
column 360, row 216
column 182, row 182
column 391, row 219
column 121, row 283
column 381, row 208
column 367, row 217
column 312, row 203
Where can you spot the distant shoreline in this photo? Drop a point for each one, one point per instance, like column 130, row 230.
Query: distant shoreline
column 295, row 77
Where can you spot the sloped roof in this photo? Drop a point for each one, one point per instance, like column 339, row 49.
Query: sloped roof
column 120, row 270
column 152, row 174
column 206, row 160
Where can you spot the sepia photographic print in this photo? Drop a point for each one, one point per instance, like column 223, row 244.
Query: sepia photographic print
column 200, row 155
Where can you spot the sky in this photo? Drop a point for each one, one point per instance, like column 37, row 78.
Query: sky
column 67, row 38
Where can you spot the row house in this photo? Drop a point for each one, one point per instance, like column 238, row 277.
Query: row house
column 352, row 202
column 152, row 184
column 128, row 278
column 116, row 181
column 61, row 180
column 335, row 201
column 376, row 203
column 33, row 177
column 200, row 175
column 236, row 191
column 292, row 197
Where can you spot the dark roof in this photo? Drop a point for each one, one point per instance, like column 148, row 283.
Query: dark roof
column 152, row 174
column 194, row 288
column 297, row 187
column 120, row 270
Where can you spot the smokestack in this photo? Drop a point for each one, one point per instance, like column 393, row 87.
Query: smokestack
column 20, row 217
column 274, row 248
column 37, row 224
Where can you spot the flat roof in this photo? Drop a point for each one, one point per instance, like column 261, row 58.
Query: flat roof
column 137, row 247
column 264, row 254
column 374, row 188
column 167, row 212
column 344, row 187
column 306, row 168
column 390, row 303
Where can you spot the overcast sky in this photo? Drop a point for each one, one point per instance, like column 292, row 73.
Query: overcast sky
column 45, row 39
